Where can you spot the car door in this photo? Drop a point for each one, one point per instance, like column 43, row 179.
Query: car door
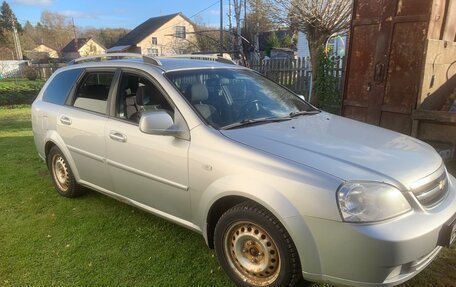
column 81, row 124
column 149, row 169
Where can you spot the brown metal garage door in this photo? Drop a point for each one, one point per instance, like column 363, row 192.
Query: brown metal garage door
column 387, row 45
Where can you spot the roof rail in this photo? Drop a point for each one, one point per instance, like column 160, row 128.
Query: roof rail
column 115, row 56
column 203, row 57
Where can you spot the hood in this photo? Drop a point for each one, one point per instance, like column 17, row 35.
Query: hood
column 344, row 148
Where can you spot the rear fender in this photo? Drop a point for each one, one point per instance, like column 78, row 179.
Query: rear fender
column 55, row 138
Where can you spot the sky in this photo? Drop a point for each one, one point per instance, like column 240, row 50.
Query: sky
column 116, row 13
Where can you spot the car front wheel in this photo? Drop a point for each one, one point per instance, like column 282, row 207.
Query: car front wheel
column 254, row 248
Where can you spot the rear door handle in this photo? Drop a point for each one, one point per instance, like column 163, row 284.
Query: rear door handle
column 65, row 120
column 117, row 136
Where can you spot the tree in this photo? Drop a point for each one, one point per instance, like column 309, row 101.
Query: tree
column 7, row 18
column 256, row 22
column 56, row 29
column 106, row 36
column 109, row 36
column 287, row 41
column 7, row 22
column 28, row 38
column 258, row 19
column 273, row 42
column 318, row 19
column 207, row 38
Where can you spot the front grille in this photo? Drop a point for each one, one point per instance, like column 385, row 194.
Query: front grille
column 433, row 191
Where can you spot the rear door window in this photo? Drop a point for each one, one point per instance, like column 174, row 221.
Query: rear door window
column 57, row 91
column 92, row 93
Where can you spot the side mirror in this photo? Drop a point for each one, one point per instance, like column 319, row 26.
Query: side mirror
column 157, row 122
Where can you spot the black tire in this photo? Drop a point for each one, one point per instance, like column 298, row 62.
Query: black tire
column 254, row 248
column 62, row 175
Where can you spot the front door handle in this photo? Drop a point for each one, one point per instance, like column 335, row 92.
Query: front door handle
column 65, row 120
column 117, row 136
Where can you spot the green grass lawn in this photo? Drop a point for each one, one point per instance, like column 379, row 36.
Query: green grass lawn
column 19, row 91
column 48, row 240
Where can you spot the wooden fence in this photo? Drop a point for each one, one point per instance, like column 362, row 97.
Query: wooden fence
column 296, row 74
column 45, row 70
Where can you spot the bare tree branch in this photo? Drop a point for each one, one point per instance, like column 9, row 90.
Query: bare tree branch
column 318, row 19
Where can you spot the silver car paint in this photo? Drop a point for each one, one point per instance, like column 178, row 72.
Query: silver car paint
column 83, row 134
column 150, row 169
column 294, row 176
column 357, row 150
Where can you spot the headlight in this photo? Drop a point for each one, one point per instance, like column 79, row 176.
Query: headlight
column 370, row 201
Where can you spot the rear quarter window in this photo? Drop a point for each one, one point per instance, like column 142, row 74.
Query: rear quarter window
column 57, row 90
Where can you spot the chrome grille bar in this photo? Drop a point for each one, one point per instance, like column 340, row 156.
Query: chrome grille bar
column 432, row 189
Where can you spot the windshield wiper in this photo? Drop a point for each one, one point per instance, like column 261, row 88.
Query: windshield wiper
column 300, row 113
column 247, row 122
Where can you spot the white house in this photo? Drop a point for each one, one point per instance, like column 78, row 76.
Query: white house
column 164, row 35
column 337, row 43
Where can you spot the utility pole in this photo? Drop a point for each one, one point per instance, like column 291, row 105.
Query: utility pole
column 17, row 42
column 221, row 28
column 257, row 42
column 230, row 26
column 245, row 18
column 75, row 36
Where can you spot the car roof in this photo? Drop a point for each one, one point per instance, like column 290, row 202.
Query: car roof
column 165, row 64
column 170, row 64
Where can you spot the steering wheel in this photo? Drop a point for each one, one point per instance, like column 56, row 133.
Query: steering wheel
column 252, row 107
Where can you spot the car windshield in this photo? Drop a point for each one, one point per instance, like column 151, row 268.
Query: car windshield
column 231, row 98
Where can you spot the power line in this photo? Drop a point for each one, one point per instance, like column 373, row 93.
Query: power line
column 194, row 15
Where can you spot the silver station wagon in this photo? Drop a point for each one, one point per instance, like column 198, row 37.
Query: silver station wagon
column 280, row 189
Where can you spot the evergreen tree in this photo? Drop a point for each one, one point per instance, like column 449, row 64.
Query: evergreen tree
column 273, row 42
column 8, row 19
column 287, row 41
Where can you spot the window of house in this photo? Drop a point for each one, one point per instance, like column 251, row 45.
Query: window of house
column 92, row 93
column 152, row 52
column 154, row 41
column 137, row 95
column 180, row 32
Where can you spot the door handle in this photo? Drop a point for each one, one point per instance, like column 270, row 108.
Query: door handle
column 65, row 120
column 117, row 137
column 378, row 72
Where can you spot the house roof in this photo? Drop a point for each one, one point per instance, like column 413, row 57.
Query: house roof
column 145, row 29
column 71, row 46
column 47, row 46
column 117, row 49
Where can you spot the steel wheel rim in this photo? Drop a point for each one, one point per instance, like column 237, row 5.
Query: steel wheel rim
column 60, row 172
column 252, row 253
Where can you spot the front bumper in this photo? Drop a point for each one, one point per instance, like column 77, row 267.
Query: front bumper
column 381, row 254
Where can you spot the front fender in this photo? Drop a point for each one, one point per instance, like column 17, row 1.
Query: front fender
column 274, row 201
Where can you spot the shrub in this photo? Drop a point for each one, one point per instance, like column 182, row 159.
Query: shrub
column 329, row 97
column 16, row 92
column 30, row 73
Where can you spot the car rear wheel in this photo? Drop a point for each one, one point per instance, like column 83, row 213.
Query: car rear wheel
column 61, row 173
column 254, row 248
